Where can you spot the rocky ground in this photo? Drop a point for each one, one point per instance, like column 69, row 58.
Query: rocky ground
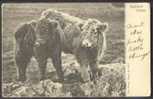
column 110, row 83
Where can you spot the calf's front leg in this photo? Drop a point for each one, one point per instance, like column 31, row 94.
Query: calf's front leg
column 57, row 62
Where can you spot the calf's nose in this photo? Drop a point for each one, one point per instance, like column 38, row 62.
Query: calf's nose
column 86, row 43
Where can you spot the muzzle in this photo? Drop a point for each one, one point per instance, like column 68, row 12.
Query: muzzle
column 86, row 43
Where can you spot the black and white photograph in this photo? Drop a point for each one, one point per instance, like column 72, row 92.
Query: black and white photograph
column 63, row 50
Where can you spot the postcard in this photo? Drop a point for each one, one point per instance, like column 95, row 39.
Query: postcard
column 76, row 49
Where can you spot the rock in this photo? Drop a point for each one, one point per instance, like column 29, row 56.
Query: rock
column 22, row 91
column 43, row 88
column 74, row 89
column 110, row 83
column 51, row 88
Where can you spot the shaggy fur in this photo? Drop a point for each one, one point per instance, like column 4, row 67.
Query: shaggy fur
column 86, row 55
column 30, row 42
column 83, row 38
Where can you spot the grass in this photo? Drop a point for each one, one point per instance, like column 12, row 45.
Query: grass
column 14, row 15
